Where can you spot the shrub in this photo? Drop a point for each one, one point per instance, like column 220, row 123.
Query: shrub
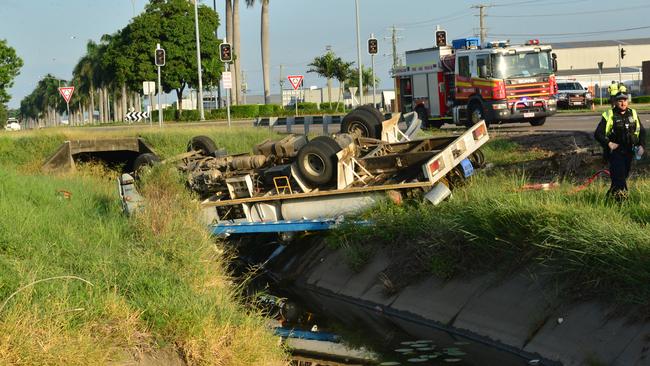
column 268, row 110
column 641, row 99
column 245, row 111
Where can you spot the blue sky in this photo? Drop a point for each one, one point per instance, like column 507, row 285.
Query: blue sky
column 50, row 35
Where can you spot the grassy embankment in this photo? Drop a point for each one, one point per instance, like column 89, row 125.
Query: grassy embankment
column 81, row 284
column 596, row 248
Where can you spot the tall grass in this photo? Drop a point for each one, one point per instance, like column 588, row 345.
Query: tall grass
column 596, row 247
column 82, row 284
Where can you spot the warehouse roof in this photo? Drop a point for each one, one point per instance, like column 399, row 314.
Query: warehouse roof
column 584, row 44
column 606, row 70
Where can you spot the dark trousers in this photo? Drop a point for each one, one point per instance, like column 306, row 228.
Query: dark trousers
column 619, row 170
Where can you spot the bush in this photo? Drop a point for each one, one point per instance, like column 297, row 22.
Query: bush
column 269, row 110
column 245, row 111
column 641, row 99
column 332, row 106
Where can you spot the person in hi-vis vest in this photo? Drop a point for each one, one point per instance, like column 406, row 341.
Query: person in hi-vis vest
column 622, row 136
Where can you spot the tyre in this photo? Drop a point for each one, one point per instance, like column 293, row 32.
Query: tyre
column 375, row 112
column 361, row 122
column 146, row 160
column 477, row 158
column 538, row 121
column 328, row 140
column 203, row 144
column 475, row 113
column 317, row 163
column 423, row 116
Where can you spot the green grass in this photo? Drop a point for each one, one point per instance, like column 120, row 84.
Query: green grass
column 81, row 284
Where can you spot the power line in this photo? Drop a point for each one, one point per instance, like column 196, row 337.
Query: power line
column 576, row 13
column 568, row 34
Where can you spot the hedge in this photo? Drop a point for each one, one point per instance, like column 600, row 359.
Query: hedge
column 641, row 99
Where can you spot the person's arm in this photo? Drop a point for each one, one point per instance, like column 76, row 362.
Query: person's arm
column 641, row 135
column 599, row 135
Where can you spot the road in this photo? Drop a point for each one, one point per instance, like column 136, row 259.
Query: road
column 574, row 122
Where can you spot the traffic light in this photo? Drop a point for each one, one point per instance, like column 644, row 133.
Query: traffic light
column 225, row 52
column 622, row 52
column 372, row 46
column 160, row 57
column 441, row 38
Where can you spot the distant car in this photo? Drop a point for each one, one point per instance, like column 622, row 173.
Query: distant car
column 12, row 125
column 573, row 94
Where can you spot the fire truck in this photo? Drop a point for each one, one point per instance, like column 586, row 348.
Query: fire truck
column 466, row 82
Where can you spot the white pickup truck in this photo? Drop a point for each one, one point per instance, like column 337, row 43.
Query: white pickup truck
column 12, row 125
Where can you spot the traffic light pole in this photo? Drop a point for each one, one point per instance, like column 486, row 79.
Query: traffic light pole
column 160, row 111
column 228, row 97
column 619, row 64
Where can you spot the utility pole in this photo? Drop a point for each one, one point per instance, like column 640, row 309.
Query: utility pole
column 198, row 59
column 482, row 28
column 244, row 86
column 394, row 39
column 356, row 2
column 216, row 35
column 281, row 85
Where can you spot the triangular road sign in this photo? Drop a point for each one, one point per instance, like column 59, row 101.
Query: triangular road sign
column 295, row 81
column 66, row 92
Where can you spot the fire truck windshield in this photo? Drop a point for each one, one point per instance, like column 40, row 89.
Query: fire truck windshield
column 524, row 64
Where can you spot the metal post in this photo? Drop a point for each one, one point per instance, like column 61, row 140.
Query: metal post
column 198, row 58
column 160, row 111
column 356, row 2
column 228, row 96
column 619, row 63
column 600, row 85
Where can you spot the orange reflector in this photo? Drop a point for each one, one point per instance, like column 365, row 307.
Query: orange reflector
column 435, row 166
column 479, row 132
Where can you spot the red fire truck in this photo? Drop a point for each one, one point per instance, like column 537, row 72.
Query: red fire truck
column 465, row 83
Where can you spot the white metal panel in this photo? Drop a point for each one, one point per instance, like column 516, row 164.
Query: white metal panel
column 420, row 89
column 434, row 95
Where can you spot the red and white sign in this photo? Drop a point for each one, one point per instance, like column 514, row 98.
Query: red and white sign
column 226, row 76
column 66, row 92
column 295, row 81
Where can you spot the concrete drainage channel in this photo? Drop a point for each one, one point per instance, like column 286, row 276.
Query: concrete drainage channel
column 393, row 336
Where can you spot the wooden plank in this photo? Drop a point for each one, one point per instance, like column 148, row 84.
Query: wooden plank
column 284, row 197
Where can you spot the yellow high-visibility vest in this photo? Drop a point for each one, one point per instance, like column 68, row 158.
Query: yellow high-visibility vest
column 608, row 115
column 613, row 89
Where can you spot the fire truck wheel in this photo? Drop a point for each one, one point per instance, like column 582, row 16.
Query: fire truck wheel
column 375, row 112
column 474, row 114
column 203, row 144
column 362, row 123
column 328, row 140
column 317, row 163
column 145, row 160
column 422, row 115
column 538, row 121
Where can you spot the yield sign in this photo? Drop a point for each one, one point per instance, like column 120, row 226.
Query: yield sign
column 295, row 81
column 66, row 92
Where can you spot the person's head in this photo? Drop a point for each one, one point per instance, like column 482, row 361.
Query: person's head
column 621, row 100
column 613, row 82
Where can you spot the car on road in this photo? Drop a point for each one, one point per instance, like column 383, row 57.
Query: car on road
column 12, row 125
column 572, row 94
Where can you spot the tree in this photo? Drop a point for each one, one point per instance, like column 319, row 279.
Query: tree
column 366, row 74
column 264, row 39
column 10, row 65
column 325, row 66
column 342, row 73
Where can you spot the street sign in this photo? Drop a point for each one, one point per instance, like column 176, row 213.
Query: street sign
column 148, row 87
column 66, row 92
column 295, row 81
column 226, row 76
column 136, row 116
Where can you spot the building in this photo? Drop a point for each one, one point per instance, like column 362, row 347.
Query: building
column 579, row 61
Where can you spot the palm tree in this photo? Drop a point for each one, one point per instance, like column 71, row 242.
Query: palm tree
column 264, row 38
column 342, row 73
column 325, row 66
column 366, row 74
column 229, row 38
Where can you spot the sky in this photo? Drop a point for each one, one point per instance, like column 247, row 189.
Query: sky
column 50, row 35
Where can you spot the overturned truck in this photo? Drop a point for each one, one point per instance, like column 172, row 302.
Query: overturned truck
column 301, row 184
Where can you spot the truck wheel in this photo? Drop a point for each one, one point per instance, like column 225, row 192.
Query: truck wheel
column 329, row 141
column 423, row 116
column 475, row 113
column 317, row 163
column 145, row 160
column 375, row 112
column 361, row 122
column 477, row 158
column 202, row 144
column 538, row 121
